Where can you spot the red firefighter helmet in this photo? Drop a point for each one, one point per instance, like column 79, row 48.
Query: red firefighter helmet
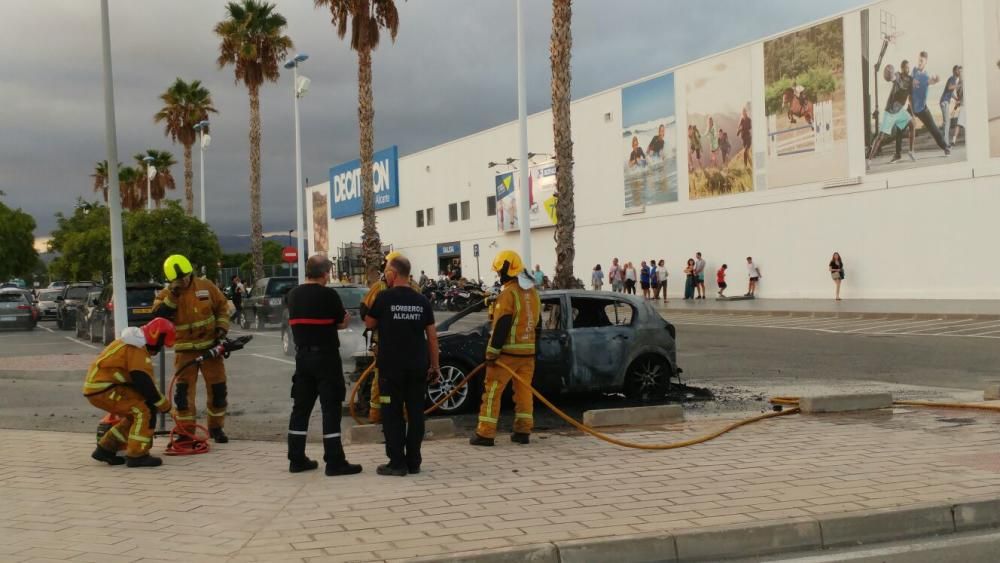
column 157, row 328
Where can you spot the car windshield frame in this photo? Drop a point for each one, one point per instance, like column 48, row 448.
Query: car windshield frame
column 49, row 294
column 276, row 287
column 78, row 292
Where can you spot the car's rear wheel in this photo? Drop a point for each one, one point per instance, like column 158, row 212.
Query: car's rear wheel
column 648, row 378
column 287, row 344
column 466, row 398
column 258, row 323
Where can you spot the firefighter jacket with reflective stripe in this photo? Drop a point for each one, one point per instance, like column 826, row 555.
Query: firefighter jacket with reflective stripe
column 196, row 313
column 515, row 321
column 123, row 364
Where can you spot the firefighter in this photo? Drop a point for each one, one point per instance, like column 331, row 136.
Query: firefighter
column 516, row 315
column 120, row 381
column 374, row 403
column 200, row 314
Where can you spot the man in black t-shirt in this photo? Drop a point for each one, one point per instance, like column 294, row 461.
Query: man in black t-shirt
column 407, row 360
column 315, row 313
column 896, row 120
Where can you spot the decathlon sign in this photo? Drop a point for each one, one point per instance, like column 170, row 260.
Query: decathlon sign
column 345, row 184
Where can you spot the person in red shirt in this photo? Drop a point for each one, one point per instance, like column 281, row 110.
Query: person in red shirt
column 720, row 279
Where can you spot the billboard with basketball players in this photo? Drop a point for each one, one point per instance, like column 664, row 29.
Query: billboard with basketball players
column 649, row 142
column 805, row 105
column 719, row 125
column 912, row 63
column 992, row 20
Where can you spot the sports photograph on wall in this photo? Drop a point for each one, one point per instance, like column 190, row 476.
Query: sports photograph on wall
column 719, row 125
column 912, row 63
column 649, row 142
column 321, row 222
column 805, row 105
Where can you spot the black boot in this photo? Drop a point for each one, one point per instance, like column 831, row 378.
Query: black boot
column 520, row 438
column 477, row 440
column 107, row 456
column 219, row 436
column 144, row 461
column 300, row 465
column 336, row 460
column 389, row 470
column 343, row 468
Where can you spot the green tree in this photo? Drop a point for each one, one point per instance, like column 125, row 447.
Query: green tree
column 151, row 237
column 184, row 105
column 253, row 41
column 367, row 18
column 17, row 243
column 83, row 241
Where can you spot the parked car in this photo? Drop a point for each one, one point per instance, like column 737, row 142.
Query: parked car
column 85, row 311
column 58, row 284
column 70, row 297
column 139, row 299
column 17, row 310
column 352, row 338
column 589, row 341
column 47, row 304
column 266, row 302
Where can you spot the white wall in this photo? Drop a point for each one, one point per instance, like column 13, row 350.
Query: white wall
column 925, row 233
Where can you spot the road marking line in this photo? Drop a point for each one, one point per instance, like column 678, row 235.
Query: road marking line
column 81, row 343
column 930, row 325
column 911, row 323
column 972, row 327
column 45, row 328
column 884, row 323
column 273, row 359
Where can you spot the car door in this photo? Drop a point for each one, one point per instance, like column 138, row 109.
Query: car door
column 601, row 333
column 553, row 359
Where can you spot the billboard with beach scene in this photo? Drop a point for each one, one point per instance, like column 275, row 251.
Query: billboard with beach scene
column 805, row 105
column 649, row 142
column 719, row 125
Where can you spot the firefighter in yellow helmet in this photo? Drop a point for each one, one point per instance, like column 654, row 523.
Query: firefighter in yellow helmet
column 375, row 403
column 199, row 312
column 516, row 315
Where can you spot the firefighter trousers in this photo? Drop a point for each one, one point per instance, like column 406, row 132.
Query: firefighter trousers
column 318, row 374
column 402, row 398
column 134, row 432
column 375, row 402
column 214, row 373
column 496, row 381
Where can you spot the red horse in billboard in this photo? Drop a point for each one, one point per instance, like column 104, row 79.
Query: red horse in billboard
column 797, row 106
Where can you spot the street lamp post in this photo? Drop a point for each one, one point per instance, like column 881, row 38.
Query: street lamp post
column 300, row 85
column 204, row 139
column 524, row 196
column 150, row 174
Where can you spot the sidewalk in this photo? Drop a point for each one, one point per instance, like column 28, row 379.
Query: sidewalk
column 239, row 503
column 865, row 308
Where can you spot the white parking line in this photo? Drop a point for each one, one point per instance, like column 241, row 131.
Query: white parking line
column 883, row 324
column 81, row 343
column 973, row 327
column 929, row 325
column 45, row 328
column 273, row 359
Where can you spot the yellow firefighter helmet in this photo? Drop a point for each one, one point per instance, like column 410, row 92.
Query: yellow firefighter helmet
column 176, row 266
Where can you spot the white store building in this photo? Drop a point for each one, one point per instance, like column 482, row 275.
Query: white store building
column 923, row 229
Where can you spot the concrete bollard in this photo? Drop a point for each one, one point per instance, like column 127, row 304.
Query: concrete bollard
column 845, row 403
column 660, row 414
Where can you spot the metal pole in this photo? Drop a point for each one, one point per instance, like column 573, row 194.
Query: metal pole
column 524, row 196
column 201, row 152
column 149, row 190
column 114, row 196
column 299, row 209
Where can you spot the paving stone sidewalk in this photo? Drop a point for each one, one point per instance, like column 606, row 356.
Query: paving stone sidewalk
column 238, row 503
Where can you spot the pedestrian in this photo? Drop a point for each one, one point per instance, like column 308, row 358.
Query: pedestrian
column 699, row 275
column 516, row 316
column 615, row 276
column 950, row 89
column 654, row 280
column 644, row 279
column 724, row 145
column 837, row 272
column 720, row 280
column 597, row 278
column 754, row 273
column 630, row 279
column 895, row 119
column 960, row 112
column 689, row 279
column 315, row 313
column 539, row 276
column 423, row 279
column 236, row 290
column 661, row 270
column 120, row 381
column 408, row 360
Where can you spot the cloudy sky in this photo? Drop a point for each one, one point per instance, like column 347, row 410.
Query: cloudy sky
column 450, row 73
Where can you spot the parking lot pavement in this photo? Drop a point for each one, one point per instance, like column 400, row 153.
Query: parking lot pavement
column 239, row 503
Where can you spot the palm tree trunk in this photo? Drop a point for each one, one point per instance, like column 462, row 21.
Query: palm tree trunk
column 256, row 229
column 560, row 49
column 371, row 245
column 188, row 181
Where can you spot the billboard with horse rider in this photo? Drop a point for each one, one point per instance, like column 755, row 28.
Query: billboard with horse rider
column 911, row 57
column 806, row 106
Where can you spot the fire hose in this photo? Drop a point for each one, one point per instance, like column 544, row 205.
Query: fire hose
column 779, row 401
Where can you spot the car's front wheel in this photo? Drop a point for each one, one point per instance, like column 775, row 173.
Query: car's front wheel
column 452, row 373
column 287, row 344
column 648, row 378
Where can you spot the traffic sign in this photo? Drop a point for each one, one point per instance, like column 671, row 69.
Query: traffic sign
column 290, row 254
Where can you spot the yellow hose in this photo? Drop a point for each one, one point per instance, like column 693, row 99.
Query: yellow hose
column 365, row 374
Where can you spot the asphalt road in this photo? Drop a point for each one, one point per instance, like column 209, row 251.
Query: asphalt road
column 741, row 365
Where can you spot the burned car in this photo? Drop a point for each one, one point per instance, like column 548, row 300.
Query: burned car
column 590, row 341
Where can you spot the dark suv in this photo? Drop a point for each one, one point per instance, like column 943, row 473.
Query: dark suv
column 139, row 299
column 71, row 296
column 266, row 302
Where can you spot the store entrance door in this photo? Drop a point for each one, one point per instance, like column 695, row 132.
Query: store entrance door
column 450, row 260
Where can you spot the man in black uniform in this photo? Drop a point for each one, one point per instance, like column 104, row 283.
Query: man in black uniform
column 315, row 312
column 407, row 361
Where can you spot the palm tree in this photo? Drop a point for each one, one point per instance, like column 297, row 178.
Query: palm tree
column 129, row 179
column 164, row 180
column 367, row 19
column 559, row 54
column 100, row 177
column 253, row 42
column 184, row 105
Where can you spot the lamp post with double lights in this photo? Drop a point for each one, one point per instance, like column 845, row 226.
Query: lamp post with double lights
column 150, row 174
column 300, row 85
column 204, row 139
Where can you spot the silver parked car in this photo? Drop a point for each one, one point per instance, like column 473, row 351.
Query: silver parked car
column 47, row 305
column 17, row 310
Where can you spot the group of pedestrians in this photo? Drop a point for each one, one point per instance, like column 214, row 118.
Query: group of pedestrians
column 651, row 277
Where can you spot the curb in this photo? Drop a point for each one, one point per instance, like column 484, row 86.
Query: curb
column 831, row 314
column 805, row 534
